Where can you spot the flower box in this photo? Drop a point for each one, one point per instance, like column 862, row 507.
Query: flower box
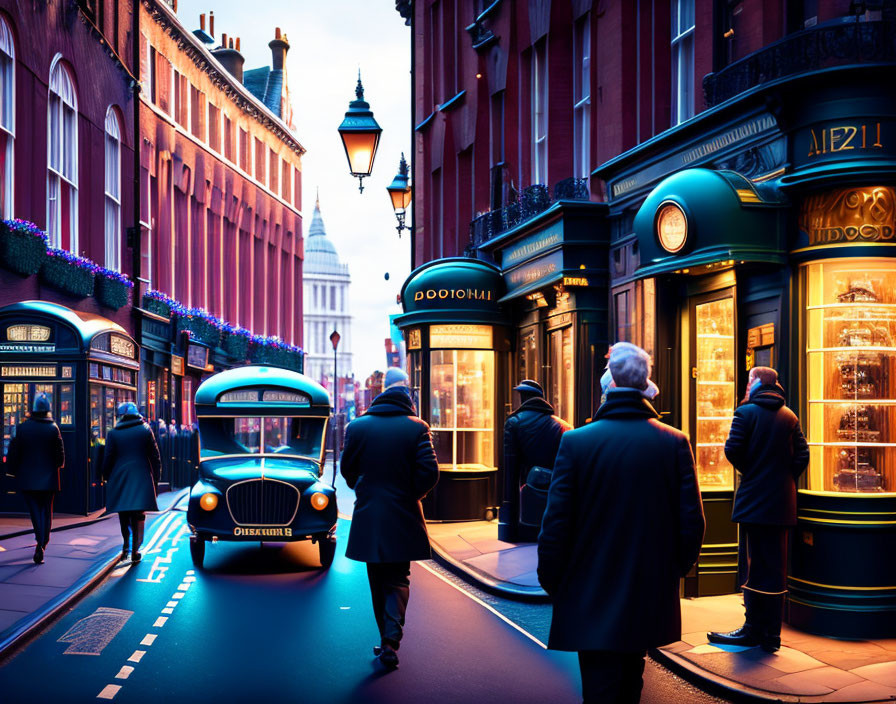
column 158, row 303
column 111, row 288
column 200, row 325
column 236, row 343
column 23, row 246
column 276, row 353
column 68, row 273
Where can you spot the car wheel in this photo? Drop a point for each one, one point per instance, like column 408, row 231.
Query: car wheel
column 327, row 550
column 197, row 551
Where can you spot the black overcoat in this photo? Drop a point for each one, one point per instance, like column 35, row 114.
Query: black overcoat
column 131, row 466
column 36, row 454
column 390, row 462
column 766, row 445
column 624, row 522
column 531, row 438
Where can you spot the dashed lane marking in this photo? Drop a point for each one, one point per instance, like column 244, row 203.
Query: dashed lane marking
column 160, row 621
column 484, row 605
column 109, row 691
column 167, row 610
column 178, row 595
column 148, row 639
column 190, row 572
column 124, row 672
column 171, row 604
column 189, row 579
column 137, row 656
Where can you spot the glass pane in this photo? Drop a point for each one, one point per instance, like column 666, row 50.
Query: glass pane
column 561, row 380
column 15, row 407
column 716, row 392
column 109, row 408
column 851, row 355
column 475, row 389
column 442, row 441
column 229, row 436
column 293, row 436
column 96, row 411
column 441, row 394
column 474, row 449
column 66, row 405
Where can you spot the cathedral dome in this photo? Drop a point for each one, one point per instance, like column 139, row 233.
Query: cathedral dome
column 320, row 253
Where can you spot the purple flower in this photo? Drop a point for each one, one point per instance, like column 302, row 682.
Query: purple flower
column 26, row 227
column 113, row 275
column 74, row 259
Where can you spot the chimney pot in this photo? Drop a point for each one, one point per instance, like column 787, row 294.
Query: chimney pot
column 224, row 39
column 279, row 46
column 277, row 33
column 211, row 23
column 237, row 43
column 231, row 43
column 202, row 21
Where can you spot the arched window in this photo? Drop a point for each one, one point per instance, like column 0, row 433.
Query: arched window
column 113, row 191
column 62, row 159
column 7, row 117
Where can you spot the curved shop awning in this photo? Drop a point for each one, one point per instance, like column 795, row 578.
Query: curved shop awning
column 700, row 216
column 456, row 290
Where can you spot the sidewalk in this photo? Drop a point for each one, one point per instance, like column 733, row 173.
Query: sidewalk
column 82, row 550
column 808, row 668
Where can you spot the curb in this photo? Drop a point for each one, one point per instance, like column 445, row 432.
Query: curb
column 30, row 531
column 486, row 583
column 734, row 691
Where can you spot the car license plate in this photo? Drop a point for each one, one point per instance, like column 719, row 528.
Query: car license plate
column 262, row 532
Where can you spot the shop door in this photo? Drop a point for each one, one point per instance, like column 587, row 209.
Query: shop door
column 560, row 379
column 713, row 398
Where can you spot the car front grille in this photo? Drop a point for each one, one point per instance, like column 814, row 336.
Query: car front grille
column 262, row 502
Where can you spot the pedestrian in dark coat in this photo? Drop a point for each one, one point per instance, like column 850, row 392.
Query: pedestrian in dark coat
column 34, row 456
column 531, row 439
column 766, row 445
column 132, row 468
column 390, row 462
column 624, row 523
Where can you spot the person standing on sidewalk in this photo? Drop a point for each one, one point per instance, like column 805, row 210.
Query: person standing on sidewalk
column 389, row 461
column 531, row 439
column 132, row 468
column 767, row 446
column 624, row 523
column 35, row 456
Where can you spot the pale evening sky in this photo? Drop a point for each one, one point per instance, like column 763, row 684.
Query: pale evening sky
column 329, row 41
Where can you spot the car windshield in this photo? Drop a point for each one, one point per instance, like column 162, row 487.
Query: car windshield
column 266, row 435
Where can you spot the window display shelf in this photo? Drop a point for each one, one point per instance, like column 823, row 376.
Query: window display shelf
column 710, row 444
column 849, row 443
column 852, row 348
column 713, row 336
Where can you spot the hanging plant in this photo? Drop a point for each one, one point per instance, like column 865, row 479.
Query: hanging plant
column 68, row 272
column 23, row 246
column 201, row 325
column 112, row 288
column 235, row 341
column 275, row 352
column 160, row 304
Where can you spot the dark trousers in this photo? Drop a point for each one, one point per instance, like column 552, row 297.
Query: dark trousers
column 766, row 584
column 131, row 524
column 611, row 678
column 390, row 586
column 40, row 506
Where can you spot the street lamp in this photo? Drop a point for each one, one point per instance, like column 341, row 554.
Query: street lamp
column 400, row 192
column 360, row 136
column 334, row 339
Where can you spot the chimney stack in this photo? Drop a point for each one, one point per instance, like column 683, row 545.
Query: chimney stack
column 211, row 23
column 230, row 57
column 279, row 46
column 237, row 43
column 202, row 21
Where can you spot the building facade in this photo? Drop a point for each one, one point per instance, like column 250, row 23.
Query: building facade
column 731, row 205
column 326, row 282
column 220, row 180
column 67, row 155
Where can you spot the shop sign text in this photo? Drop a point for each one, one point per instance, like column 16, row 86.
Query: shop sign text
column 841, row 138
column 456, row 294
column 414, row 341
column 33, row 371
column 23, row 347
column 861, row 214
column 121, row 346
column 536, row 270
column 461, row 337
column 533, row 244
column 27, row 333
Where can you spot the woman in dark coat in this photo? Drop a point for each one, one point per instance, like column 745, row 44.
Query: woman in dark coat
column 132, row 469
column 390, row 462
column 34, row 457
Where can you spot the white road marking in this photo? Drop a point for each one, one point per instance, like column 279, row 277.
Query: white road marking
column 183, row 587
column 189, row 579
column 484, row 605
column 124, row 672
column 344, row 608
column 94, row 632
column 171, row 604
column 160, row 621
column 190, row 572
column 163, row 525
column 178, row 595
column 167, row 610
column 109, row 691
column 149, row 639
column 137, row 655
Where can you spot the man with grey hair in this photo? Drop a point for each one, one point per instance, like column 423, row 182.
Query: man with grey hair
column 624, row 523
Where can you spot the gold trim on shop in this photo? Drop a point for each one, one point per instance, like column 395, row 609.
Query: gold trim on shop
column 837, row 586
column 844, row 522
column 770, row 175
column 814, row 492
column 838, row 245
column 853, row 513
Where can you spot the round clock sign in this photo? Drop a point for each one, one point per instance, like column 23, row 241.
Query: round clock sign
column 671, row 227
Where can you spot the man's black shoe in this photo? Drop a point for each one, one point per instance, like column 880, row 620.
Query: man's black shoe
column 388, row 657
column 745, row 636
column 770, row 644
column 377, row 649
column 38, row 555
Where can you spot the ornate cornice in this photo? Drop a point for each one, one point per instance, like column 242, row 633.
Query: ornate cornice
column 227, row 84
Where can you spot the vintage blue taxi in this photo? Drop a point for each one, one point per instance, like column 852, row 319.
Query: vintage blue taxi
column 261, row 452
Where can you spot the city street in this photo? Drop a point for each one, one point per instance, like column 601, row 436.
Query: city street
column 263, row 623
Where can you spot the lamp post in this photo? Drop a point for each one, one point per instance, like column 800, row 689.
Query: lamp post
column 400, row 192
column 360, row 136
column 334, row 339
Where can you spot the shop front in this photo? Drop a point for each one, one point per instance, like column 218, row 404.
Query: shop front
column 86, row 365
column 458, row 345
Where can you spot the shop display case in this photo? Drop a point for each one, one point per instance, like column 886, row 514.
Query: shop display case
column 714, row 366
column 851, row 350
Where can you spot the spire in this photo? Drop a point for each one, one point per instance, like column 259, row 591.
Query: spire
column 317, row 199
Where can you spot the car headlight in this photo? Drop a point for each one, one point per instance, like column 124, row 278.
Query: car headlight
column 209, row 501
column 319, row 500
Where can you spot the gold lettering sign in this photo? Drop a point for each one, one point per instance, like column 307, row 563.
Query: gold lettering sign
column 121, row 346
column 260, row 532
column 41, row 371
column 456, row 294
column 477, row 337
column 414, row 342
column 177, row 365
column 27, row 333
column 863, row 214
column 829, row 140
column 245, row 396
column 575, row 281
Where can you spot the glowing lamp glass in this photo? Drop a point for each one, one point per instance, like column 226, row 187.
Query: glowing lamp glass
column 209, row 502
column 319, row 501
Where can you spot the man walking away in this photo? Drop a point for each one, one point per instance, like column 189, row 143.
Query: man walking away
column 531, row 439
column 624, row 523
column 390, row 462
column 767, row 447
column 35, row 456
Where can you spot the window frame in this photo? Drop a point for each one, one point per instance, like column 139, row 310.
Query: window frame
column 112, row 201
column 582, row 97
column 64, row 174
column 8, row 92
column 682, row 61
column 539, row 100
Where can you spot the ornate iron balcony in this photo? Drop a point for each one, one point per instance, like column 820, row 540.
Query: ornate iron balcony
column 809, row 50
